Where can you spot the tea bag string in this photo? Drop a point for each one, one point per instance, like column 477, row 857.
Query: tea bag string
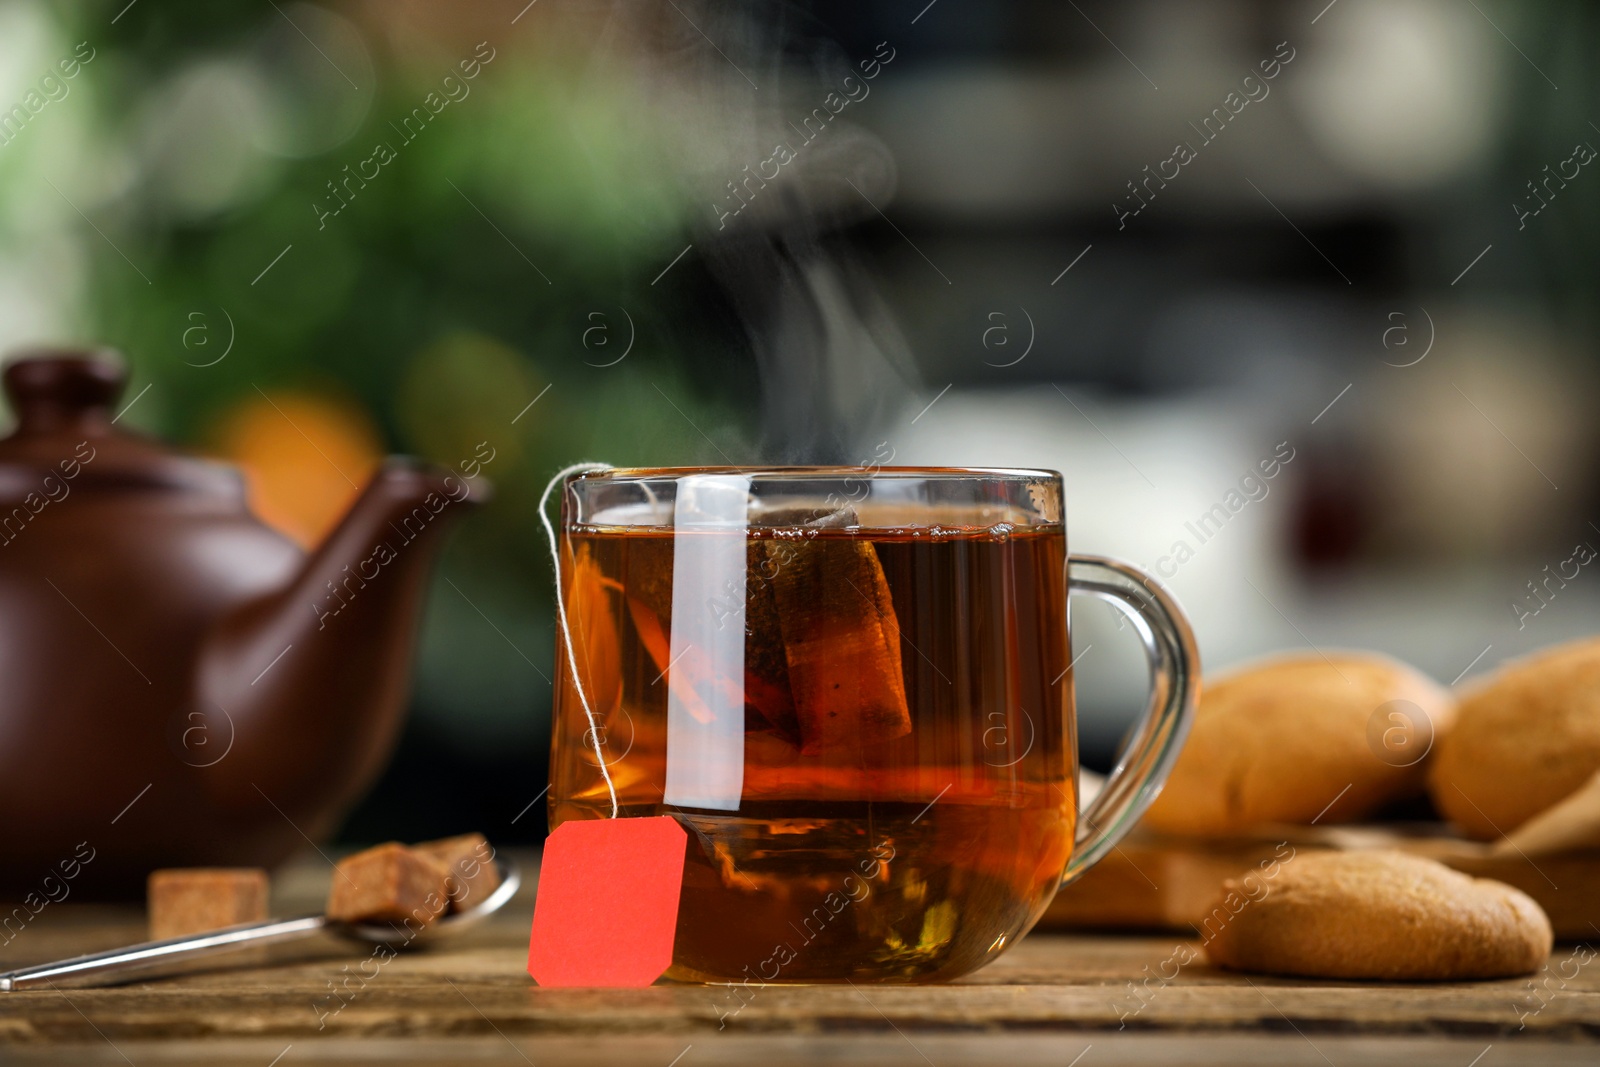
column 561, row 617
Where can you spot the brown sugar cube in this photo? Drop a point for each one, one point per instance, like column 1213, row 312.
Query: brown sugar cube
column 470, row 871
column 387, row 883
column 195, row 900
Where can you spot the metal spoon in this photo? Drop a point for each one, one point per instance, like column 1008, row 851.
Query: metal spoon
column 130, row 963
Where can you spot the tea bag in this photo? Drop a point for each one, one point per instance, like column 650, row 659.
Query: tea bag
column 766, row 669
column 766, row 674
column 841, row 638
column 822, row 642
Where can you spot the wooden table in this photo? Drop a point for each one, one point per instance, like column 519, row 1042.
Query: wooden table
column 1055, row 999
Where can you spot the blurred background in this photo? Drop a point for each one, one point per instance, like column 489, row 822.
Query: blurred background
column 1162, row 246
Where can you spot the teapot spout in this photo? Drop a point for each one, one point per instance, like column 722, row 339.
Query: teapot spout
column 314, row 678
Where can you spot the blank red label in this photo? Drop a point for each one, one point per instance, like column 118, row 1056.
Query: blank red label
column 606, row 910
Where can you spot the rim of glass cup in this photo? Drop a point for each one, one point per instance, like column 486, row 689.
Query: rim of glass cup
column 1020, row 496
column 820, row 471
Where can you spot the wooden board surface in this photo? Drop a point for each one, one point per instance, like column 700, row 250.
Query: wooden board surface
column 1045, row 1002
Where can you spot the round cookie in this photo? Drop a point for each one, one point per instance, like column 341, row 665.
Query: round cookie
column 1525, row 738
column 1280, row 739
column 1382, row 915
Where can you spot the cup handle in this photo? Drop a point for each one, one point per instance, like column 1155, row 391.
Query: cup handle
column 1174, row 689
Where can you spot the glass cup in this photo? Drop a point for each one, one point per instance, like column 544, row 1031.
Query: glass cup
column 853, row 689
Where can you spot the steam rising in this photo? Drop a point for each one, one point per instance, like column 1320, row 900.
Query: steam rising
column 775, row 171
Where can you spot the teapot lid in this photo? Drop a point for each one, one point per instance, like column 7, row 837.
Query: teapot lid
column 63, row 399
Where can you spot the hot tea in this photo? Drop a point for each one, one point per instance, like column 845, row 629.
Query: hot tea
column 866, row 731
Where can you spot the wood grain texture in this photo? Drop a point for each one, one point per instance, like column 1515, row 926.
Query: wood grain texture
column 792, row 1050
column 471, row 1002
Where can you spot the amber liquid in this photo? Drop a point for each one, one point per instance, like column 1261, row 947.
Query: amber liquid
column 877, row 836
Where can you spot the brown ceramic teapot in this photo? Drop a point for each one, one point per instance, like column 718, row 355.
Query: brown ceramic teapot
column 180, row 684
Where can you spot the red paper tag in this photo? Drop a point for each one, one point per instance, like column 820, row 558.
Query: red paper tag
column 606, row 910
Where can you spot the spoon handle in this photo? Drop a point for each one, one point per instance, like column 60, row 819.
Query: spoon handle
column 124, row 964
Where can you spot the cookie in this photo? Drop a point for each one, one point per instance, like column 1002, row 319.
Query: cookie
column 1526, row 738
column 1379, row 915
column 1296, row 737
